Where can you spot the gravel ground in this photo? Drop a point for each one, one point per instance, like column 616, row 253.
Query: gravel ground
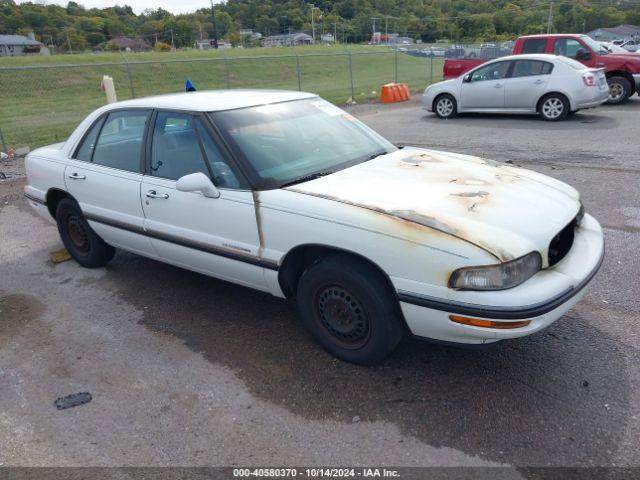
column 187, row 370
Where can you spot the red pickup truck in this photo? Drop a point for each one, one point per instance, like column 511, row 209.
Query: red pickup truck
column 622, row 71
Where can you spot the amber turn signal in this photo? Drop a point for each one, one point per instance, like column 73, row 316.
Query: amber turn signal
column 478, row 322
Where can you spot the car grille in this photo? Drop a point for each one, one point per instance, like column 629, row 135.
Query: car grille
column 562, row 243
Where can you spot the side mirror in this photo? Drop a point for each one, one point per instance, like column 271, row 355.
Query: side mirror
column 197, row 182
column 467, row 78
column 582, row 55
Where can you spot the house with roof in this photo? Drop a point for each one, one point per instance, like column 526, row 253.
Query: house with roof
column 127, row 44
column 621, row 32
column 18, row 45
column 287, row 40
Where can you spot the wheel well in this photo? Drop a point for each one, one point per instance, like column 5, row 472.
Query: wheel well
column 554, row 93
column 627, row 75
column 53, row 198
column 297, row 260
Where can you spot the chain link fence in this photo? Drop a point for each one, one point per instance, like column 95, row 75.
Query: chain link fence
column 43, row 104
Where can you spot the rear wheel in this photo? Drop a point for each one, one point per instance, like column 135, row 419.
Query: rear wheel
column 349, row 308
column 445, row 106
column 82, row 243
column 619, row 90
column 553, row 107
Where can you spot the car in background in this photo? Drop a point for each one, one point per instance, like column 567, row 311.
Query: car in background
column 550, row 85
column 617, row 49
column 622, row 70
column 288, row 194
column 632, row 45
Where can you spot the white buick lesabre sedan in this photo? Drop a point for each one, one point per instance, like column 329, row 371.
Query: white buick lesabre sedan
column 285, row 193
column 551, row 85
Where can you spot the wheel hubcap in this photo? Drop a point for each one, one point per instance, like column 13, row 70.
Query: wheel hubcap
column 552, row 108
column 615, row 91
column 78, row 234
column 445, row 107
column 342, row 316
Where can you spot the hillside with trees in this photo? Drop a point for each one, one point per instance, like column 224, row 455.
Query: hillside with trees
column 79, row 28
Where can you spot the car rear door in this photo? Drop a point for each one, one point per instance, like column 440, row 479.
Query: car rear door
column 527, row 83
column 485, row 88
column 104, row 176
column 216, row 236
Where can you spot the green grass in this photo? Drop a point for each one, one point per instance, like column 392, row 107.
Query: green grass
column 41, row 106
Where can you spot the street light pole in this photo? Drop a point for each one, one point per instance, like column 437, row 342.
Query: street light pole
column 215, row 28
column 549, row 21
column 313, row 25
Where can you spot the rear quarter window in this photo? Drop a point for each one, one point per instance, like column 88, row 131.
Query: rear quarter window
column 534, row 45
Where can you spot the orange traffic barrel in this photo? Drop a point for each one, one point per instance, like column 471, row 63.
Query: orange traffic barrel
column 394, row 92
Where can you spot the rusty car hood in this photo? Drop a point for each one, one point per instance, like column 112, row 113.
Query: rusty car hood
column 505, row 210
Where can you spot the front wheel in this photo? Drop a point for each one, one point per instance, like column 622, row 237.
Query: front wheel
column 445, row 106
column 553, row 107
column 619, row 90
column 349, row 308
column 82, row 243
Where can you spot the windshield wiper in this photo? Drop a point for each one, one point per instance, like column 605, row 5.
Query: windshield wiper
column 305, row 178
column 376, row 155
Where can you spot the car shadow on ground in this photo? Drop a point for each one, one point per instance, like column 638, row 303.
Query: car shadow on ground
column 546, row 399
column 580, row 120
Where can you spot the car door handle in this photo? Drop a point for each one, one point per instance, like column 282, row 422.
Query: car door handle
column 76, row 176
column 538, row 82
column 497, row 85
column 153, row 194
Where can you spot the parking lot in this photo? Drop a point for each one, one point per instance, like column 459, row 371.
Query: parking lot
column 188, row 370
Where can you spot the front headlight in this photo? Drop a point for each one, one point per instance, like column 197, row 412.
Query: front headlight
column 496, row 277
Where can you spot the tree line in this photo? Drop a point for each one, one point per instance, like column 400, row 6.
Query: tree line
column 78, row 28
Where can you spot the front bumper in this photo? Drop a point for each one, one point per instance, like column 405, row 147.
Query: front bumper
column 565, row 284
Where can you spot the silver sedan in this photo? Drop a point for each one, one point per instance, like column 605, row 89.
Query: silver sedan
column 549, row 85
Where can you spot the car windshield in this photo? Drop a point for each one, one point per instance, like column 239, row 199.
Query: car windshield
column 594, row 45
column 291, row 142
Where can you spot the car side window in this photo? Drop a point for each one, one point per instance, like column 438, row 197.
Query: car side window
column 175, row 151
column 223, row 175
column 85, row 151
column 527, row 68
column 534, row 45
column 567, row 47
column 120, row 142
column 494, row 71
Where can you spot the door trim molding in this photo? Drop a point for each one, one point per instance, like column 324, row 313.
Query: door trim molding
column 185, row 242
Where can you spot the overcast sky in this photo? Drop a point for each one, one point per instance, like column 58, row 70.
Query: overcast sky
column 174, row 6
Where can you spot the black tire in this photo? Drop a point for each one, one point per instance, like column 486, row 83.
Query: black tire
column 445, row 106
column 553, row 107
column 619, row 90
column 350, row 309
column 82, row 243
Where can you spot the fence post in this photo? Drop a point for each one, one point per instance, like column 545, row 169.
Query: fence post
column 353, row 94
column 396, row 64
column 226, row 72
column 431, row 76
column 4, row 145
column 126, row 65
column 298, row 71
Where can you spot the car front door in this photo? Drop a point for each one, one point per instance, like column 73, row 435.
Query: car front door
column 104, row 176
column 483, row 88
column 215, row 236
column 526, row 84
column 575, row 49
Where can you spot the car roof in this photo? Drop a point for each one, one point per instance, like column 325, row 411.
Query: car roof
column 547, row 35
column 547, row 57
column 213, row 100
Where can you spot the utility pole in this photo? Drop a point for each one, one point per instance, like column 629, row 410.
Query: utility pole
column 69, row 42
column 215, row 28
column 374, row 27
column 335, row 33
column 386, row 29
column 173, row 45
column 549, row 21
column 313, row 25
